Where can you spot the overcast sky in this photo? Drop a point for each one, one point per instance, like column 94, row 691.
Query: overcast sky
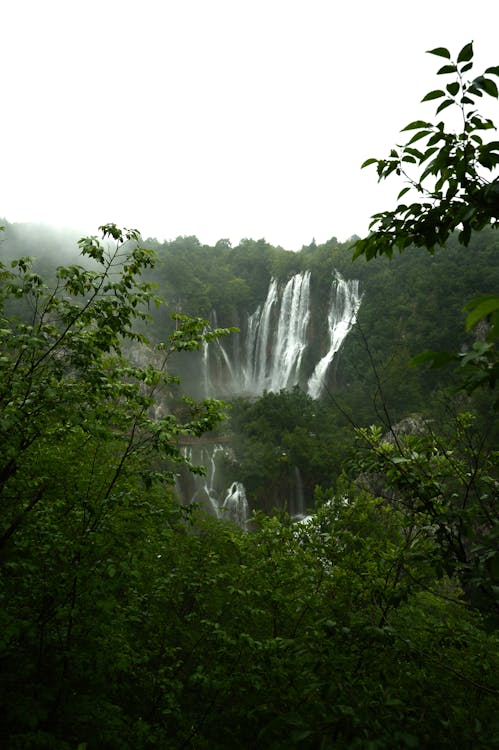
column 219, row 118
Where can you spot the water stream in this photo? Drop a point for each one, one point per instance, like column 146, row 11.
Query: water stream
column 343, row 309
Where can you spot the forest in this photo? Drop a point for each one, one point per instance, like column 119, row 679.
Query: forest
column 250, row 496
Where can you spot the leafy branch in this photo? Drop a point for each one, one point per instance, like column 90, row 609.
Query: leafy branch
column 454, row 189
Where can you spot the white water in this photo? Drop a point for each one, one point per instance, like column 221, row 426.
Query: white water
column 275, row 339
column 297, row 499
column 292, row 329
column 277, row 336
column 257, row 348
column 235, row 506
column 210, row 490
column 208, row 386
column 345, row 303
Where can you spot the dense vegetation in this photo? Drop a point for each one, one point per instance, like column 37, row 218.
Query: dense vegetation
column 130, row 621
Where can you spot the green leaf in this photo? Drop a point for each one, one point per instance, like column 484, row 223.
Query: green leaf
column 368, row 162
column 466, row 53
column 440, row 52
column 494, row 70
column 487, row 159
column 428, row 153
column 433, row 95
column 491, row 146
column 416, row 125
column 444, row 105
column 413, row 151
column 436, row 138
column 403, row 192
column 487, row 85
column 446, row 69
column 434, row 359
column 483, row 307
column 466, row 67
column 453, row 88
column 417, row 136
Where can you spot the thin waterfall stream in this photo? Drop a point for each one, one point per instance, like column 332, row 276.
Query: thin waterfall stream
column 343, row 309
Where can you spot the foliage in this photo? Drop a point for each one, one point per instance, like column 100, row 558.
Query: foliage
column 446, row 485
column 285, row 446
column 130, row 622
column 335, row 633
column 453, row 192
column 452, row 482
column 84, row 457
column 453, row 189
column 62, row 370
column 227, row 284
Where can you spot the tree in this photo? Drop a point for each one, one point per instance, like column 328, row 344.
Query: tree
column 63, row 365
column 452, row 483
column 89, row 442
column 455, row 191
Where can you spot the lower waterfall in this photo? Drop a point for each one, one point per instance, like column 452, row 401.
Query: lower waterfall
column 224, row 497
column 225, row 500
column 235, row 505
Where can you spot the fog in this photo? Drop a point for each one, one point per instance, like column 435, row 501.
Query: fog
column 57, row 245
column 218, row 119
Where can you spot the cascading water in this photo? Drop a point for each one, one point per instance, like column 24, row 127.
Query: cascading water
column 210, row 490
column 345, row 303
column 292, row 329
column 257, row 349
column 271, row 346
column 296, row 503
column 208, row 386
column 235, row 506
column 274, row 350
column 274, row 341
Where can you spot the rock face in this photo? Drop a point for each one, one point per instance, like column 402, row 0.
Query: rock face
column 375, row 482
column 411, row 425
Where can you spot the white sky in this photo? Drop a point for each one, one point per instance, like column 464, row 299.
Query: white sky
column 219, row 118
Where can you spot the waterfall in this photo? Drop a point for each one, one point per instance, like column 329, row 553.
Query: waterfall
column 270, row 351
column 209, row 458
column 276, row 337
column 292, row 329
column 208, row 385
column 215, row 357
column 210, row 490
column 257, row 349
column 235, row 507
column 345, row 303
column 297, row 499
